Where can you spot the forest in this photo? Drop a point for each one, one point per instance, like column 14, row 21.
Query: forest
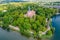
column 11, row 14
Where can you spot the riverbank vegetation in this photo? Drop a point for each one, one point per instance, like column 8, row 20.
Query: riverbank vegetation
column 14, row 15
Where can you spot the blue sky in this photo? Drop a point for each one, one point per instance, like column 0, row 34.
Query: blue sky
column 32, row 0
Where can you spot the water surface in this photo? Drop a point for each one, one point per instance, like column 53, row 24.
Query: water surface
column 5, row 35
column 56, row 24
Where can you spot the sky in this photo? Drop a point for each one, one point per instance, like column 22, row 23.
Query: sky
column 33, row 0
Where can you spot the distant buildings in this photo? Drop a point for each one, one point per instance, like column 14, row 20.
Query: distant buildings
column 43, row 0
column 30, row 0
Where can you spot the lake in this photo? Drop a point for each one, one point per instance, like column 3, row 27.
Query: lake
column 56, row 24
column 12, row 35
column 7, row 1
